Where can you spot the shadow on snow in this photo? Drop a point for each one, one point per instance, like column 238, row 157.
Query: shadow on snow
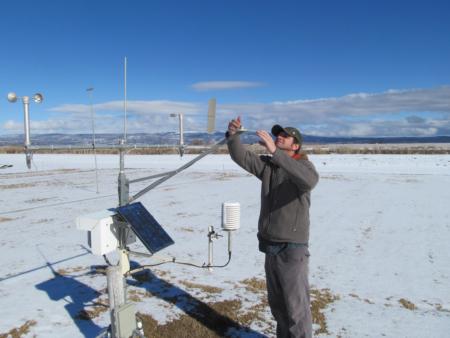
column 222, row 325
column 77, row 296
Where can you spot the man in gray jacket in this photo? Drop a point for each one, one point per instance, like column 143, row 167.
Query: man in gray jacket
column 287, row 178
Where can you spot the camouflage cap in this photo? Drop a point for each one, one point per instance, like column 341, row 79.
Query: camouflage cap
column 291, row 131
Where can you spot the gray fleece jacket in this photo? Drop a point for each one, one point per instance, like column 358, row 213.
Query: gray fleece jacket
column 285, row 192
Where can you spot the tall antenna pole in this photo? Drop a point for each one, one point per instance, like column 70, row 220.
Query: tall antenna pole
column 123, row 181
column 116, row 285
column 125, row 101
column 90, row 90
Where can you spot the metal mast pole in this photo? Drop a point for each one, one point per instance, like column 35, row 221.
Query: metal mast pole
column 123, row 181
column 90, row 90
column 180, row 116
column 125, row 101
column 12, row 97
column 116, row 282
column 26, row 120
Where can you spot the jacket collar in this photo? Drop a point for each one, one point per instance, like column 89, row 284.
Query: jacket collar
column 300, row 156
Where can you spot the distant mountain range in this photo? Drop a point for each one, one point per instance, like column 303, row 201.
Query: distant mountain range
column 171, row 138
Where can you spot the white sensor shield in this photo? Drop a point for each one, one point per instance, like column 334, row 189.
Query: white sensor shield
column 231, row 216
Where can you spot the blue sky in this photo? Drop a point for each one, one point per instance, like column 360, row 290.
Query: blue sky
column 331, row 68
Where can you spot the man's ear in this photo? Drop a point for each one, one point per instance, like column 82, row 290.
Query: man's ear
column 295, row 146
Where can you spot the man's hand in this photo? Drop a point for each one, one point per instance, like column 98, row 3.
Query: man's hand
column 234, row 126
column 266, row 141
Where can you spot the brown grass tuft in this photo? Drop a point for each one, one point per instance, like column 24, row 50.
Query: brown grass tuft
column 218, row 318
column 321, row 298
column 254, row 284
column 69, row 271
column 20, row 331
column 368, row 301
column 95, row 311
column 407, row 304
column 205, row 288
column 255, row 313
column 135, row 295
column 5, row 219
column 214, row 319
column 16, row 186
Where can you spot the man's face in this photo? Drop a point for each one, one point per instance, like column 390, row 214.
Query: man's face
column 286, row 142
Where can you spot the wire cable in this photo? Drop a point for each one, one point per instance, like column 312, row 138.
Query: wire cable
column 107, row 261
column 204, row 266
column 76, row 201
column 55, row 204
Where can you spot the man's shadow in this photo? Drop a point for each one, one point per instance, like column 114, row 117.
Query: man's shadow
column 77, row 296
column 222, row 325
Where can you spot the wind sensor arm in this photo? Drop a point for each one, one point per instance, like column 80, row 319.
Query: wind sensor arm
column 166, row 176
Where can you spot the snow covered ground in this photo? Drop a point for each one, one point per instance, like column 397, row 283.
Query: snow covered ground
column 380, row 234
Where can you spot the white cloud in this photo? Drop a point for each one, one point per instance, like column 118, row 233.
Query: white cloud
column 358, row 114
column 221, row 85
column 13, row 125
column 134, row 107
column 414, row 112
column 72, row 108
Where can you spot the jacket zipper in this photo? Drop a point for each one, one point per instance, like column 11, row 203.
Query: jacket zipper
column 272, row 197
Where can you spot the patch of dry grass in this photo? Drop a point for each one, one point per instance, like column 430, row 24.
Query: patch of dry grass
column 366, row 300
column 320, row 299
column 214, row 319
column 255, row 313
column 407, row 304
column 5, row 219
column 16, row 186
column 19, row 331
column 227, row 314
column 69, row 271
column 254, row 284
column 211, row 320
column 136, row 296
column 202, row 318
column 93, row 311
column 204, row 288
column 161, row 273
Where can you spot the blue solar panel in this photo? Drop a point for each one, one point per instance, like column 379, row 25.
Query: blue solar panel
column 145, row 226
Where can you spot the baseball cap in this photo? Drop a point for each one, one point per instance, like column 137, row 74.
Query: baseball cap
column 291, row 131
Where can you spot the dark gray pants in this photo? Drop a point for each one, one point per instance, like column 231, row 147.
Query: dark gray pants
column 288, row 292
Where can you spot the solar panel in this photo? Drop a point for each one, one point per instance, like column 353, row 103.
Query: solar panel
column 145, row 226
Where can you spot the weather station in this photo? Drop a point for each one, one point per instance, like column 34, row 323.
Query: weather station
column 114, row 229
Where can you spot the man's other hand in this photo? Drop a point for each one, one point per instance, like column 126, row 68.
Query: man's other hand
column 266, row 141
column 234, row 126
